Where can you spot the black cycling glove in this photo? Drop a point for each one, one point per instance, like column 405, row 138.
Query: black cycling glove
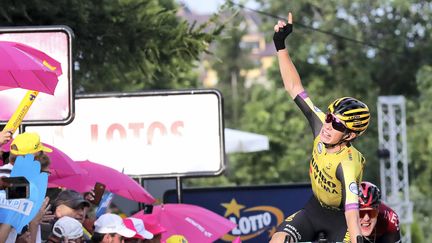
column 280, row 36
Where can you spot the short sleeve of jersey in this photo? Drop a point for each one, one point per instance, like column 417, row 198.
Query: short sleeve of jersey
column 314, row 115
column 352, row 172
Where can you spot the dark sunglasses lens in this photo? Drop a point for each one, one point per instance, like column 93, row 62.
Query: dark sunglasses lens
column 335, row 124
column 338, row 126
column 372, row 213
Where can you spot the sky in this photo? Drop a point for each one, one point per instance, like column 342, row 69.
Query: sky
column 209, row 6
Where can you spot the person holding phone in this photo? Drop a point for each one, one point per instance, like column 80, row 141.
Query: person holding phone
column 95, row 195
column 336, row 167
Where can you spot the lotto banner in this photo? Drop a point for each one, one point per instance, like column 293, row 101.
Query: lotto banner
column 257, row 210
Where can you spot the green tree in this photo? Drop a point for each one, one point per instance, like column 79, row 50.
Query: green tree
column 229, row 60
column 122, row 45
column 420, row 149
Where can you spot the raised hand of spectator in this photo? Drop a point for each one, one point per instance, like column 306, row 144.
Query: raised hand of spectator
column 38, row 219
column 5, row 136
column 47, row 215
column 42, row 211
column 89, row 196
column 24, row 237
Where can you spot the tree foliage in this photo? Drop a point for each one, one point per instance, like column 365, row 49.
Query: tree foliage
column 122, row 45
column 229, row 59
column 420, row 149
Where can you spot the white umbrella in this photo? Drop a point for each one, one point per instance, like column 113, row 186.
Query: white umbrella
column 240, row 141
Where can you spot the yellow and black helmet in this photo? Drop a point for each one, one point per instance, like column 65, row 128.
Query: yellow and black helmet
column 352, row 112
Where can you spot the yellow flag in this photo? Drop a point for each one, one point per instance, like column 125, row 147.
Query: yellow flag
column 21, row 111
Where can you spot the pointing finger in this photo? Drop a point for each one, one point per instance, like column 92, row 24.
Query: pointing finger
column 290, row 18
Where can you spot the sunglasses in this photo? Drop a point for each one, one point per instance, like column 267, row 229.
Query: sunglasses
column 373, row 213
column 336, row 124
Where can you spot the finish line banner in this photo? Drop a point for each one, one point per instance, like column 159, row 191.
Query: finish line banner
column 257, row 210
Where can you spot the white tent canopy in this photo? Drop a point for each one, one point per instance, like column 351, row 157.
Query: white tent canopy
column 244, row 142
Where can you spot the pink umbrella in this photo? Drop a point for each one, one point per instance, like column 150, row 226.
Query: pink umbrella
column 197, row 224
column 79, row 183
column 151, row 222
column 115, row 182
column 61, row 164
column 22, row 66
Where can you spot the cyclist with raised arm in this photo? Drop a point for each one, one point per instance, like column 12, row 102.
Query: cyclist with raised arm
column 336, row 167
column 378, row 222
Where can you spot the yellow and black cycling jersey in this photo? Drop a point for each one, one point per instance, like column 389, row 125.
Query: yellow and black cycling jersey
column 334, row 176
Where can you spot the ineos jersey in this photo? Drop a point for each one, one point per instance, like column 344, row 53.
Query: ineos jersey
column 334, row 176
column 387, row 226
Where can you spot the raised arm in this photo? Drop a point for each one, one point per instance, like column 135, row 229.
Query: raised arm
column 346, row 173
column 290, row 76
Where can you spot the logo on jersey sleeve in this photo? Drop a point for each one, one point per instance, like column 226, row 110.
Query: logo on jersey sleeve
column 319, row 147
column 354, row 188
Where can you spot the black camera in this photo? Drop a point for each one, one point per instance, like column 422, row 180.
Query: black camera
column 18, row 187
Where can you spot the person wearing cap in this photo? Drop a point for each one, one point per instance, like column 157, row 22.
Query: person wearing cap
column 109, row 228
column 23, row 144
column 176, row 239
column 27, row 143
column 71, row 203
column 67, row 203
column 152, row 224
column 138, row 226
column 66, row 229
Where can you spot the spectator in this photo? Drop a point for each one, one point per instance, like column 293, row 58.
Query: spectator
column 109, row 228
column 67, row 203
column 23, row 144
column 66, row 230
column 138, row 226
column 70, row 203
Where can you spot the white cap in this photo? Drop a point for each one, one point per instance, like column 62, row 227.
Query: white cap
column 112, row 223
column 67, row 227
column 138, row 226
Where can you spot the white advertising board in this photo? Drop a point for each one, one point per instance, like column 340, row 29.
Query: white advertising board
column 55, row 41
column 155, row 134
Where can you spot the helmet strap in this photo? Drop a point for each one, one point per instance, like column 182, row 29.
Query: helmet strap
column 341, row 141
